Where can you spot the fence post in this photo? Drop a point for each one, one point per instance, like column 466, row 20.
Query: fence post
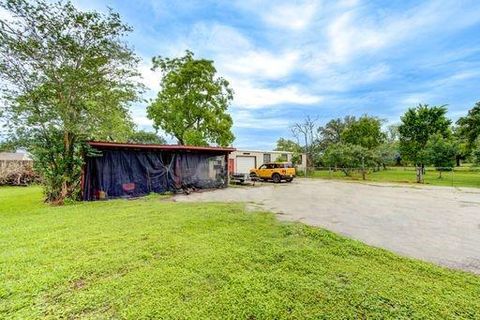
column 363, row 168
column 453, row 174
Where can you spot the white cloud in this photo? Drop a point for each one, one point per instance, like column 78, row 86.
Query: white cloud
column 143, row 121
column 295, row 16
column 357, row 32
column 251, row 120
column 347, row 3
column 259, row 77
column 250, row 95
column 346, row 38
column 413, row 99
column 5, row 15
column 261, row 64
column 234, row 54
column 151, row 79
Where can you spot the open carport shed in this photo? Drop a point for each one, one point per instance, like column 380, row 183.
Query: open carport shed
column 122, row 170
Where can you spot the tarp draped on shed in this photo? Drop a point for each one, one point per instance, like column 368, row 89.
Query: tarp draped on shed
column 129, row 172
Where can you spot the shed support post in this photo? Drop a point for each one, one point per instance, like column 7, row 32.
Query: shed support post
column 226, row 170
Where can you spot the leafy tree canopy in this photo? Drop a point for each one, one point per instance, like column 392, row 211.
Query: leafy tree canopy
column 440, row 152
column 365, row 132
column 331, row 132
column 476, row 152
column 292, row 146
column 417, row 126
column 288, row 145
column 469, row 126
column 348, row 157
column 146, row 137
column 192, row 103
column 66, row 76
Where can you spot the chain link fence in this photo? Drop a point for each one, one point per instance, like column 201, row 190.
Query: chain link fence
column 464, row 176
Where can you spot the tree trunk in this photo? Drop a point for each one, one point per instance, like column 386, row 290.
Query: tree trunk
column 67, row 185
column 420, row 173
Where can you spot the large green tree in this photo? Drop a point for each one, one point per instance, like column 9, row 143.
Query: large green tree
column 331, row 132
column 440, row 152
column 365, row 131
column 348, row 157
column 469, row 126
column 417, row 126
column 476, row 152
column 192, row 103
column 67, row 76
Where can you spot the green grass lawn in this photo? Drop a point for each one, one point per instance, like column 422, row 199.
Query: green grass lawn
column 154, row 258
column 460, row 177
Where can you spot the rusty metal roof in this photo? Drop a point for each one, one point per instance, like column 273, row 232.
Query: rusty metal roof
column 164, row 147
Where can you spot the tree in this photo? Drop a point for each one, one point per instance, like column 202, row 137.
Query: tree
column 292, row 146
column 7, row 146
column 146, row 137
column 417, row 126
column 66, row 77
column 305, row 131
column 332, row 131
column 387, row 154
column 469, row 126
column 365, row 132
column 440, row 152
column 287, row 145
column 192, row 103
column 347, row 157
column 392, row 134
column 476, row 152
column 464, row 148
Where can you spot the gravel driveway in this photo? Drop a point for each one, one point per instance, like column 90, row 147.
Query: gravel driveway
column 437, row 224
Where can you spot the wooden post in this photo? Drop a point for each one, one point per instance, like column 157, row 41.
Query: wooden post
column 226, row 170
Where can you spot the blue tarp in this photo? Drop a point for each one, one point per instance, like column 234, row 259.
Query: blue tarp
column 134, row 173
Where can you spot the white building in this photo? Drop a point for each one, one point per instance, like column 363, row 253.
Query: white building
column 241, row 161
column 14, row 156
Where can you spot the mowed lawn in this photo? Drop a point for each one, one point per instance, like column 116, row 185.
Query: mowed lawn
column 154, row 258
column 460, row 177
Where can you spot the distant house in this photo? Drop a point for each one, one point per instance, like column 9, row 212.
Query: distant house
column 8, row 159
column 241, row 161
column 14, row 156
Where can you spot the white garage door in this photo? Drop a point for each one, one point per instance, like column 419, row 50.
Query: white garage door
column 244, row 164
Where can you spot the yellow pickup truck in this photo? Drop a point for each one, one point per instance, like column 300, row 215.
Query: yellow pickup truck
column 276, row 171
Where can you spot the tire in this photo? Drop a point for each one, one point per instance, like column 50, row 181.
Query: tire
column 290, row 180
column 276, row 178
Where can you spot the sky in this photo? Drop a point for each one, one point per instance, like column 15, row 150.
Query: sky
column 327, row 59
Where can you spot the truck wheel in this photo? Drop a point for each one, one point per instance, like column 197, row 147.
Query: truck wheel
column 276, row 178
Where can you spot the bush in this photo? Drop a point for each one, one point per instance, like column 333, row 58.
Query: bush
column 349, row 157
column 17, row 174
column 476, row 153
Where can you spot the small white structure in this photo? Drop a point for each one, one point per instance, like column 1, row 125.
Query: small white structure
column 14, row 156
column 241, row 161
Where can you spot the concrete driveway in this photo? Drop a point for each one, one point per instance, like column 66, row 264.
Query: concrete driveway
column 437, row 224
